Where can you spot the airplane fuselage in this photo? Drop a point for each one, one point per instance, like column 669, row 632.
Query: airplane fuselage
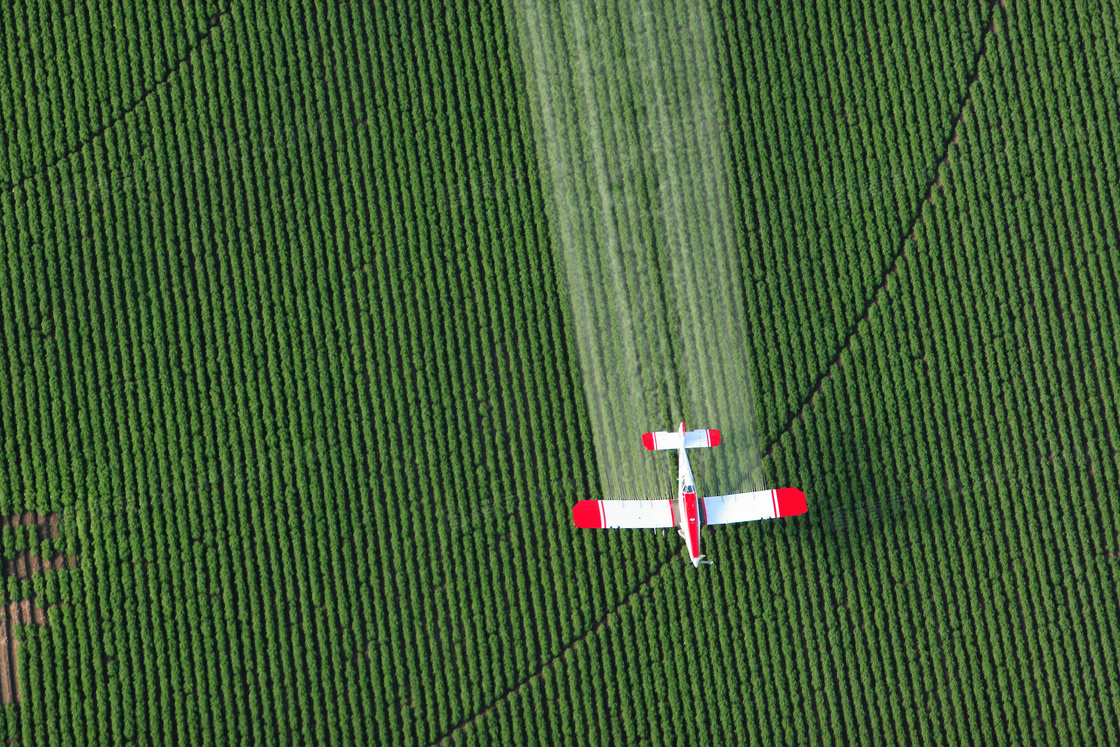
column 688, row 505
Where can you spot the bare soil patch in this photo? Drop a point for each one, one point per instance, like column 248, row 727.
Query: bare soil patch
column 24, row 564
column 47, row 523
column 24, row 611
column 19, row 612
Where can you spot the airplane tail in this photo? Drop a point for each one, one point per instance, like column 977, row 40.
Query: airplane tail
column 664, row 441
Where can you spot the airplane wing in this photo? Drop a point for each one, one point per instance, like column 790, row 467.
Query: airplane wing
column 762, row 504
column 623, row 514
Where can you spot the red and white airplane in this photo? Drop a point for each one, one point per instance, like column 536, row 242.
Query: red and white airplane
column 689, row 512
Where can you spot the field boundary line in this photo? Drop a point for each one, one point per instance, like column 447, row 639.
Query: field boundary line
column 211, row 23
column 645, row 583
column 934, row 180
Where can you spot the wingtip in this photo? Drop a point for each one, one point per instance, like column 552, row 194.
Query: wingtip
column 586, row 515
column 791, row 502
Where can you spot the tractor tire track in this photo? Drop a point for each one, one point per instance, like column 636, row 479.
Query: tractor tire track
column 907, row 236
column 556, row 658
column 211, row 23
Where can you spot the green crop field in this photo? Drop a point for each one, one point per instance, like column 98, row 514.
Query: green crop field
column 317, row 317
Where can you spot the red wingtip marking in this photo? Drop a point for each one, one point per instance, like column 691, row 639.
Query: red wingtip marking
column 647, row 441
column 791, row 502
column 714, row 435
column 586, row 515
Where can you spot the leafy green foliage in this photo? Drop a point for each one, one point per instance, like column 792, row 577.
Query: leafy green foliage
column 284, row 345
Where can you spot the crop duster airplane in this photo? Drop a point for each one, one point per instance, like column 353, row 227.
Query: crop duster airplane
column 689, row 512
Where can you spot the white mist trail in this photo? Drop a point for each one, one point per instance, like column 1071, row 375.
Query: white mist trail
column 626, row 113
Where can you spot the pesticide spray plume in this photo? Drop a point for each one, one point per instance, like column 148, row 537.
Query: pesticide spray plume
column 626, row 111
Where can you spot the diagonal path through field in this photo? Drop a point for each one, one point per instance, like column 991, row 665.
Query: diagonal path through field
column 557, row 658
column 205, row 34
column 906, row 238
column 857, row 325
